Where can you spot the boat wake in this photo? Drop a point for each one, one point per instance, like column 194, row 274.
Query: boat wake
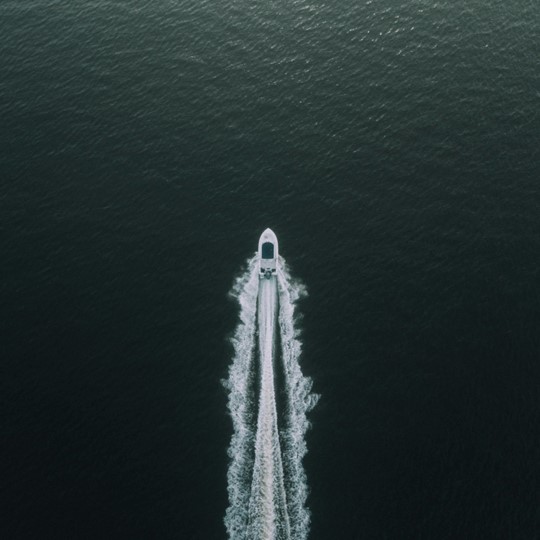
column 268, row 401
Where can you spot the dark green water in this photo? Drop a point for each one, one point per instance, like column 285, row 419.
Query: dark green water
column 395, row 150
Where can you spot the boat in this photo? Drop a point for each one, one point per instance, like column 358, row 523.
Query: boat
column 268, row 254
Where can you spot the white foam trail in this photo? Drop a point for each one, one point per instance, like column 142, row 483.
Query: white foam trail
column 300, row 400
column 268, row 516
column 266, row 480
column 241, row 408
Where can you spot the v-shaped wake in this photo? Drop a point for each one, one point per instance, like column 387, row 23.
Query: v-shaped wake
column 268, row 401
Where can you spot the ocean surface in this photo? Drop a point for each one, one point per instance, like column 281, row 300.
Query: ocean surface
column 394, row 148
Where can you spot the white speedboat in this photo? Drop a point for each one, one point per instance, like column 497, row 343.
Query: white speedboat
column 268, row 254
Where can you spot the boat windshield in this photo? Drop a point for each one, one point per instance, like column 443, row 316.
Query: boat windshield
column 267, row 250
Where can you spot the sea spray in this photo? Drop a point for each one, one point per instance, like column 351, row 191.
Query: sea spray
column 267, row 484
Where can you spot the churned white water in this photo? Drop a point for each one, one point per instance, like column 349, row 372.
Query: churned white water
column 267, row 484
